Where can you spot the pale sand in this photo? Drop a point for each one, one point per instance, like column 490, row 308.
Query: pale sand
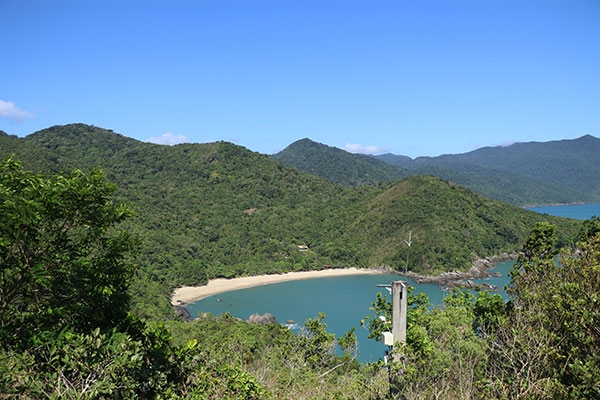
column 188, row 294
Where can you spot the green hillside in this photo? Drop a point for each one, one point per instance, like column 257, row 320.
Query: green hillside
column 506, row 186
column 36, row 157
column 521, row 174
column 219, row 210
column 451, row 225
column 563, row 171
column 572, row 164
column 338, row 165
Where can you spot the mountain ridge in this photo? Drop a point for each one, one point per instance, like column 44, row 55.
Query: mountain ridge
column 557, row 172
column 219, row 210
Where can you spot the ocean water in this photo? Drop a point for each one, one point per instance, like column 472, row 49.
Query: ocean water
column 344, row 300
column 575, row 211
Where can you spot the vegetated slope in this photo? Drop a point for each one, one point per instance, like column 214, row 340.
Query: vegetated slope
column 450, row 225
column 528, row 173
column 502, row 185
column 213, row 210
column 220, row 210
column 33, row 156
column 573, row 164
column 221, row 202
column 338, row 165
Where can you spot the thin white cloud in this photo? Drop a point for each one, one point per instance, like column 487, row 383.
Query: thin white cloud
column 9, row 111
column 168, row 138
column 360, row 149
column 505, row 143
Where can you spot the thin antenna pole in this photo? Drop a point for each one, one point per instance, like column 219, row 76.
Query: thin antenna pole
column 409, row 242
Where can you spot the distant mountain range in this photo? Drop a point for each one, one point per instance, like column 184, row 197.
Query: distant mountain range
column 556, row 172
column 219, row 210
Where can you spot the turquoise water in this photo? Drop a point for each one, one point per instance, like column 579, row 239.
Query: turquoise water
column 575, row 211
column 344, row 300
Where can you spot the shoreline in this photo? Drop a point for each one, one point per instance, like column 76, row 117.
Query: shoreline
column 188, row 294
column 183, row 295
column 481, row 269
column 577, row 203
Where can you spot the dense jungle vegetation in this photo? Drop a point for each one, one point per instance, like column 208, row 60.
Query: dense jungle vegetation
column 68, row 257
column 203, row 211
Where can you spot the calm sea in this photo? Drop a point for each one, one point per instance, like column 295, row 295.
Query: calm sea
column 344, row 300
column 576, row 211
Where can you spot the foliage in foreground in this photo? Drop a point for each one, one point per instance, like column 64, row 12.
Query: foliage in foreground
column 548, row 345
column 544, row 343
column 64, row 326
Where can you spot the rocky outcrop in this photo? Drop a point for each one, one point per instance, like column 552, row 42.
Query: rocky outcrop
column 262, row 319
column 182, row 312
column 480, row 269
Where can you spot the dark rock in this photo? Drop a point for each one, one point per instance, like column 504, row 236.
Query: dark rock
column 183, row 313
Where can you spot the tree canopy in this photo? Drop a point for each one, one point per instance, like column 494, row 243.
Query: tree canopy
column 548, row 345
column 65, row 329
column 62, row 257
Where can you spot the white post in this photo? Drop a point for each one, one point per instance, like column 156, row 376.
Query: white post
column 399, row 307
column 399, row 290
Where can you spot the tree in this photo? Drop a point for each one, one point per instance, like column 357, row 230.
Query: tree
column 443, row 356
column 65, row 330
column 548, row 346
column 62, row 260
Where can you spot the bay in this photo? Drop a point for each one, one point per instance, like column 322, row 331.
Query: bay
column 346, row 300
column 575, row 211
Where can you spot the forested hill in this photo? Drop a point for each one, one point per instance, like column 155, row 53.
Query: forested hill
column 220, row 210
column 338, row 165
column 560, row 171
column 565, row 171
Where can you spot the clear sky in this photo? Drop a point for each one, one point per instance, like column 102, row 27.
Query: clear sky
column 416, row 78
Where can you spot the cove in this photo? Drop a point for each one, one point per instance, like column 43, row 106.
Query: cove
column 344, row 300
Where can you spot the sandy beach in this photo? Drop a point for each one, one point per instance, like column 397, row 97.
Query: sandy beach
column 188, row 294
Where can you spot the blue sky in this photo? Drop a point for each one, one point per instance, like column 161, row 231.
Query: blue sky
column 417, row 78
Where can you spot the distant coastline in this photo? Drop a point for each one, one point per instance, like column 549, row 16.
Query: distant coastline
column 579, row 210
column 577, row 203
